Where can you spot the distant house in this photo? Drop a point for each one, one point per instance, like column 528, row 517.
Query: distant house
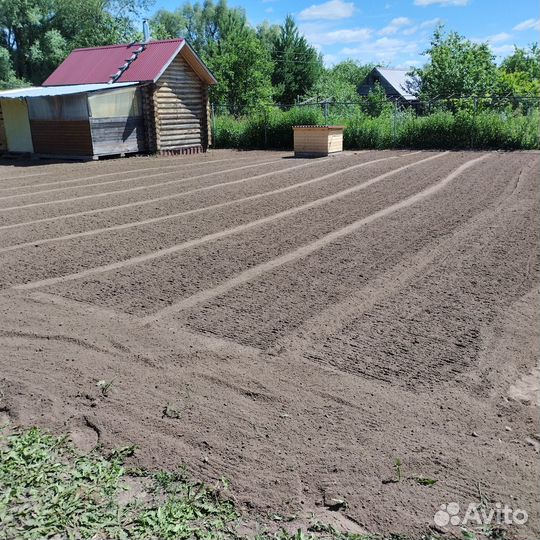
column 393, row 81
column 148, row 97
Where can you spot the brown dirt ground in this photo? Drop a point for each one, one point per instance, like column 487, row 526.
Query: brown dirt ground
column 411, row 335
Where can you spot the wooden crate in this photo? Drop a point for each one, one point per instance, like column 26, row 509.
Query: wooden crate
column 315, row 141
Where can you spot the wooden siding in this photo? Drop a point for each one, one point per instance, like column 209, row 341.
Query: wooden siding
column 117, row 135
column 62, row 137
column 180, row 108
column 3, row 140
column 147, row 100
column 317, row 140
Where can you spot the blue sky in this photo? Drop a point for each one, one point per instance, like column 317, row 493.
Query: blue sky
column 395, row 32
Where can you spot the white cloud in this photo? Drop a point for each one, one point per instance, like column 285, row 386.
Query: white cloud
column 497, row 38
column 430, row 22
column 503, row 50
column 325, row 33
column 422, row 26
column 330, row 59
column 529, row 24
column 395, row 25
column 383, row 49
column 331, row 10
column 346, row 35
column 441, row 2
column 409, row 64
column 410, row 31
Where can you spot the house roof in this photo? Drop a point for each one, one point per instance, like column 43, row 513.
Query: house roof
column 134, row 62
column 42, row 91
column 398, row 79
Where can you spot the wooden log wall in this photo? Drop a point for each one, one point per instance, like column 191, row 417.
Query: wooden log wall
column 180, row 110
column 147, row 100
column 118, row 135
column 3, row 139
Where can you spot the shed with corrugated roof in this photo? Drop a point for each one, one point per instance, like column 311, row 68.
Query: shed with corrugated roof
column 118, row 99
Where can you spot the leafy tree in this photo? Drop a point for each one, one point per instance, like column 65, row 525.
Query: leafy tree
column 38, row 34
column 519, row 74
column 241, row 64
column 376, row 101
column 268, row 34
column 298, row 64
column 168, row 24
column 243, row 70
column 340, row 82
column 8, row 78
column 456, row 67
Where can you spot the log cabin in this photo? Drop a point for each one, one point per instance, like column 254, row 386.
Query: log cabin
column 113, row 100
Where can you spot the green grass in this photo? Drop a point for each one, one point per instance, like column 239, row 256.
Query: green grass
column 48, row 489
column 506, row 130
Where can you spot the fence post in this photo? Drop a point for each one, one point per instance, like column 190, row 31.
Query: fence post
column 213, row 124
column 265, row 117
column 394, row 127
column 473, row 130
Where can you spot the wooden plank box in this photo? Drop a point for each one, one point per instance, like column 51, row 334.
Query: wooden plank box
column 317, row 141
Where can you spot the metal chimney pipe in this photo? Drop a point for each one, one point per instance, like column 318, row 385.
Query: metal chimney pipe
column 146, row 30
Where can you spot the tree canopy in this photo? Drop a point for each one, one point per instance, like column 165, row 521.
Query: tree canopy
column 297, row 64
column 456, row 67
column 520, row 72
column 254, row 66
column 38, row 34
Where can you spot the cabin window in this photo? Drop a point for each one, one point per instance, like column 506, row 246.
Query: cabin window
column 115, row 103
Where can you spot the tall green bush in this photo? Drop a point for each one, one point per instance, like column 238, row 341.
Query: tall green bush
column 464, row 129
column 269, row 128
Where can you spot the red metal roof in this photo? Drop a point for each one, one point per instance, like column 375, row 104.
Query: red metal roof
column 99, row 64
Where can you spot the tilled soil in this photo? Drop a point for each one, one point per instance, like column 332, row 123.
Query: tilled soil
column 309, row 329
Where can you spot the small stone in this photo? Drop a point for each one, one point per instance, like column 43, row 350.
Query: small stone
column 334, row 502
column 474, row 434
column 508, row 428
column 533, row 443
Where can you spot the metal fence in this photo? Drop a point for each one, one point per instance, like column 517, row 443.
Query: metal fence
column 366, row 104
column 396, row 113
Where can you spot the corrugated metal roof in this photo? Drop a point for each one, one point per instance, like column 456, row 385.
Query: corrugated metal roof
column 100, row 64
column 42, row 91
column 398, row 79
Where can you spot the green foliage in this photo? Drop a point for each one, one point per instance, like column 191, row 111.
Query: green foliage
column 456, row 67
column 168, row 24
column 8, row 79
column 270, row 128
column 39, row 34
column 340, row 83
column 519, row 73
column 524, row 61
column 46, row 488
column 242, row 68
column 297, row 64
column 463, row 129
column 376, row 102
column 485, row 130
